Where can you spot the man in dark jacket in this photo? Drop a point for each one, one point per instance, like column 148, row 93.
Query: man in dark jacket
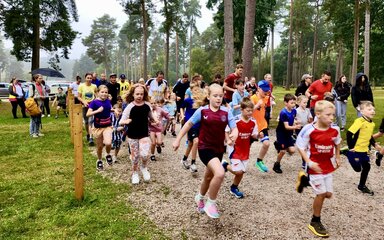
column 361, row 91
column 179, row 89
column 113, row 88
column 306, row 80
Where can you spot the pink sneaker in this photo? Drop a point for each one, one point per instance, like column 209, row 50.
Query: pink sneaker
column 200, row 203
column 211, row 209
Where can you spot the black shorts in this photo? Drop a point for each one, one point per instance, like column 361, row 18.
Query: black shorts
column 207, row 155
column 62, row 105
column 266, row 135
column 193, row 133
column 285, row 142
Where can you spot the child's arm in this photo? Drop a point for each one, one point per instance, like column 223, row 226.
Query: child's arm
column 337, row 155
column 92, row 112
column 289, row 127
column 187, row 126
column 54, row 102
column 312, row 165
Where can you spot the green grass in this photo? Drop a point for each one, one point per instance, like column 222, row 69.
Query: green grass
column 37, row 189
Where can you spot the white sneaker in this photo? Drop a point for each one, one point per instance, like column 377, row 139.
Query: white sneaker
column 34, row 135
column 49, row 115
column 42, row 115
column 146, row 174
column 193, row 168
column 135, row 178
column 40, row 135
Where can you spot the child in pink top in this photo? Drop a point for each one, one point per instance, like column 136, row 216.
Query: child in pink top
column 156, row 128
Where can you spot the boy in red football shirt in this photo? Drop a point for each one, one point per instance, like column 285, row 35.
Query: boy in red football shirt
column 239, row 154
column 319, row 145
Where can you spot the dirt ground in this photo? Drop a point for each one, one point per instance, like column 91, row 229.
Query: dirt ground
column 271, row 208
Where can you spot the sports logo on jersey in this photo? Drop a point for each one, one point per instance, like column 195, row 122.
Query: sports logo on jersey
column 223, row 118
column 205, row 117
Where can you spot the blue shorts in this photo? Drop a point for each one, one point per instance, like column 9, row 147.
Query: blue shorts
column 357, row 159
column 285, row 142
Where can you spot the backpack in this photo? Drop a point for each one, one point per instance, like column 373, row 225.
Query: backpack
column 31, row 105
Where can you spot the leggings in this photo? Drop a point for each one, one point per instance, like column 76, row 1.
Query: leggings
column 139, row 150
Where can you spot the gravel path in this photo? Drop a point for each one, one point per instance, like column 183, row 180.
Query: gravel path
column 271, row 209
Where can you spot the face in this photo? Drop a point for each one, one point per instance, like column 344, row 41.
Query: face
column 185, row 80
column 195, row 90
column 262, row 93
column 103, row 93
column 216, row 97
column 308, row 80
column 253, row 81
column 268, row 77
column 239, row 71
column 117, row 112
column 138, row 94
column 88, row 78
column 160, row 77
column 326, row 116
column 247, row 112
column 290, row 104
column 368, row 112
column 39, row 79
column 60, row 90
column 325, row 78
column 240, row 87
column 344, row 79
column 173, row 96
column 303, row 103
column 113, row 79
column 154, row 105
column 122, row 80
column 94, row 76
column 103, row 77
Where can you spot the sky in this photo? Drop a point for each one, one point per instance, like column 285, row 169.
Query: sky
column 90, row 10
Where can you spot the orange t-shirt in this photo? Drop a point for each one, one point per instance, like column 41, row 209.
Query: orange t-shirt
column 259, row 114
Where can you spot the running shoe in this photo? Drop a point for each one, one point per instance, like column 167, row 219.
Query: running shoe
column 109, row 160
column 158, row 148
column 91, row 142
column 260, row 165
column 146, row 174
column 99, row 165
column 200, row 203
column 318, row 229
column 193, row 168
column 153, row 158
column 174, row 134
column 366, row 190
column 235, row 192
column 277, row 168
column 210, row 209
column 344, row 150
column 40, row 135
column 185, row 163
column 302, row 182
column 379, row 157
column 225, row 164
column 135, row 178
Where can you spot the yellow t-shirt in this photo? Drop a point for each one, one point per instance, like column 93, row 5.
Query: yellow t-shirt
column 87, row 92
column 259, row 114
column 124, row 88
column 365, row 130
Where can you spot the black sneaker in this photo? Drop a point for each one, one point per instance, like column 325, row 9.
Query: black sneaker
column 87, row 137
column 162, row 145
column 318, row 229
column 158, row 148
column 153, row 158
column 276, row 168
column 379, row 157
column 109, row 159
column 99, row 165
column 91, row 142
column 366, row 190
column 302, row 182
column 344, row 151
column 174, row 134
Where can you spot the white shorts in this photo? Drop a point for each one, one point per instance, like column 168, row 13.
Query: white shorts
column 321, row 183
column 239, row 165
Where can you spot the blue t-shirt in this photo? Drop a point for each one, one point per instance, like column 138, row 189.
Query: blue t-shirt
column 189, row 111
column 102, row 119
column 285, row 116
column 236, row 100
column 188, row 92
column 170, row 108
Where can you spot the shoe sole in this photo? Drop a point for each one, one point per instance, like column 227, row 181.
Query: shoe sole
column 233, row 194
column 316, row 233
column 211, row 216
column 364, row 193
column 299, row 183
column 185, row 167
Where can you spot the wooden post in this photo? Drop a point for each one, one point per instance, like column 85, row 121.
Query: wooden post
column 71, row 102
column 78, row 149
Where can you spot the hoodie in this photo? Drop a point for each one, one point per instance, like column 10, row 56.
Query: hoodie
column 361, row 92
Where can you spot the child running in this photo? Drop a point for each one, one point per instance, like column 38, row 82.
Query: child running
column 117, row 130
column 61, row 100
column 156, row 128
column 319, row 144
column 359, row 137
column 239, row 154
column 191, row 105
column 237, row 96
column 213, row 120
column 259, row 100
column 100, row 108
column 170, row 107
column 136, row 115
column 285, row 130
column 380, row 133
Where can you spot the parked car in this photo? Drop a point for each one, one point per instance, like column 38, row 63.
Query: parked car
column 4, row 92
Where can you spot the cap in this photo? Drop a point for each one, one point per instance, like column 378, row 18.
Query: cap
column 122, row 76
column 113, row 75
column 305, row 76
column 264, row 85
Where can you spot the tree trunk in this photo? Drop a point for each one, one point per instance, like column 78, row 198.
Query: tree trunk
column 106, row 61
column 272, row 51
column 249, row 36
column 166, row 54
column 355, row 43
column 190, row 48
column 228, row 37
column 177, row 56
column 314, row 55
column 367, row 36
column 289, row 62
column 145, row 38
column 36, row 35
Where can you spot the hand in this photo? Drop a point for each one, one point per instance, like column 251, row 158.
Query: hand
column 178, row 98
column 314, row 166
column 85, row 104
column 314, row 97
column 338, row 162
column 298, row 126
column 175, row 145
column 232, row 137
column 230, row 142
column 100, row 109
column 346, row 101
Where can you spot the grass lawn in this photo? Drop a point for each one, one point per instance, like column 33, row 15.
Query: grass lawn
column 37, row 189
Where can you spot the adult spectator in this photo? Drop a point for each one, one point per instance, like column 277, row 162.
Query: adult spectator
column 217, row 80
column 46, row 100
column 103, row 79
column 271, row 98
column 361, row 91
column 124, row 85
column 179, row 89
column 306, row 80
column 157, row 87
column 342, row 91
column 229, row 82
column 37, row 91
column 16, row 97
column 95, row 80
column 113, row 87
column 316, row 90
column 75, row 87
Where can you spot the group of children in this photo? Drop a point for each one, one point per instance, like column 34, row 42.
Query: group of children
column 210, row 126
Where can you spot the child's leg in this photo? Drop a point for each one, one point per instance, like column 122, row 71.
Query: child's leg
column 135, row 153
column 107, row 139
column 152, row 135
column 188, row 150
column 144, row 145
column 194, row 148
column 159, row 139
column 280, row 155
column 213, row 178
column 366, row 167
column 264, row 149
column 318, row 204
column 99, row 146
column 291, row 150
